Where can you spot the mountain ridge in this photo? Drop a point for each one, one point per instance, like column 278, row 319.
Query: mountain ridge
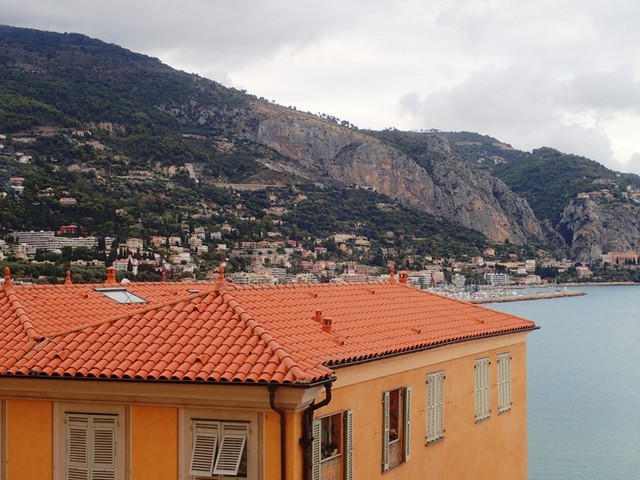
column 160, row 117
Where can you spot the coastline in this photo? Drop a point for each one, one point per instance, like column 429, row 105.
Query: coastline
column 528, row 296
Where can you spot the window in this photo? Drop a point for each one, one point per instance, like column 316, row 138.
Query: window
column 120, row 295
column 396, row 427
column 91, row 446
column 330, row 435
column 435, row 406
column 483, row 406
column 504, row 382
column 219, row 448
column 332, row 451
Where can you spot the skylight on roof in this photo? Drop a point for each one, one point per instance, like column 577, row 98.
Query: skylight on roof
column 121, row 295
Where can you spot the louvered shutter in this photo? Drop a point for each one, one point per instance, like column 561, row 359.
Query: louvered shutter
column 406, row 446
column 385, row 431
column 205, row 441
column 432, row 420
column 234, row 439
column 504, row 382
column 348, row 445
column 435, row 406
column 485, row 383
column 483, row 406
column 104, row 448
column 77, row 448
column 508, row 381
column 478, row 391
column 316, row 450
column 439, row 406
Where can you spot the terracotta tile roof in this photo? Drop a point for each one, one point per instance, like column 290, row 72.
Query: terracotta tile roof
column 193, row 332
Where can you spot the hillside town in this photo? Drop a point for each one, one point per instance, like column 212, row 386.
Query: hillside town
column 188, row 256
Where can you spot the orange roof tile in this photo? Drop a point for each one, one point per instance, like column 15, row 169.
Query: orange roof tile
column 225, row 333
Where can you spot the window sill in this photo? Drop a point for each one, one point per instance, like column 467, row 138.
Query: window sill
column 433, row 442
column 331, row 457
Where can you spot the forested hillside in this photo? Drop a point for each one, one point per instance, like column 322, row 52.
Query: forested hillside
column 121, row 144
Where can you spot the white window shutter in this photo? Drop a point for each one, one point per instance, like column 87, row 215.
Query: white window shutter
column 435, row 406
column 486, row 391
column 234, row 440
column 508, row 381
column 104, row 448
column 439, row 406
column 205, row 441
column 385, row 431
column 504, row 382
column 230, row 454
column 483, row 404
column 316, row 450
column 406, row 446
column 77, row 447
column 348, row 445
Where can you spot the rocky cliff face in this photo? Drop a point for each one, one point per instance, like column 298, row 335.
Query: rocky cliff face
column 592, row 227
column 320, row 151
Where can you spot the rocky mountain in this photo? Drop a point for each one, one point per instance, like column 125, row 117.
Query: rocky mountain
column 593, row 227
column 311, row 149
column 160, row 119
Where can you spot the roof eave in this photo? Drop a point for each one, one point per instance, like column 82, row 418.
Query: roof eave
column 427, row 347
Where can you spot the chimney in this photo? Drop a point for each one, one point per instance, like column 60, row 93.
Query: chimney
column 220, row 284
column 318, row 316
column 111, row 275
column 392, row 276
column 67, row 280
column 7, row 277
column 326, row 325
column 403, row 277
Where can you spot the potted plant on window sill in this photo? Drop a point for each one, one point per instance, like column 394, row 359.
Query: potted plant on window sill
column 332, row 449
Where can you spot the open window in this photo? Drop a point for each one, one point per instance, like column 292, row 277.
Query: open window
column 332, row 449
column 396, row 427
column 219, row 448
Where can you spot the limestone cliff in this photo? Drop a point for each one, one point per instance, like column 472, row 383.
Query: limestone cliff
column 447, row 187
column 592, row 227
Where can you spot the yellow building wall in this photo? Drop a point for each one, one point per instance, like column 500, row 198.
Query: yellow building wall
column 154, row 443
column 293, row 432
column 29, row 426
column 493, row 449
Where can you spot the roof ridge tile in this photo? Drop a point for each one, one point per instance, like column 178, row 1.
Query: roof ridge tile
column 285, row 357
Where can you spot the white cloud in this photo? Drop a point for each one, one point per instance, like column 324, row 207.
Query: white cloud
column 561, row 73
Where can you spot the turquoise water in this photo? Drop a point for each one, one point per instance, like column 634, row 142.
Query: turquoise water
column 584, row 384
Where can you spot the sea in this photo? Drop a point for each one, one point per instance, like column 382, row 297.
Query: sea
column 583, row 380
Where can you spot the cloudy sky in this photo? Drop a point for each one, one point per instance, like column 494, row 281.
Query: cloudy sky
column 557, row 73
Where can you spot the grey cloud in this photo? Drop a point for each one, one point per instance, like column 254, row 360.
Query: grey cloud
column 552, row 72
column 607, row 91
column 519, row 106
column 196, row 32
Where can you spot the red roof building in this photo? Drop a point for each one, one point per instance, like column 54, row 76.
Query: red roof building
column 217, row 356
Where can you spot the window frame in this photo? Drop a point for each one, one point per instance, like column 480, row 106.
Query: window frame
column 253, row 444
column 224, row 442
column 434, row 407
column 504, row 382
column 403, row 424
column 482, row 391
column 318, row 455
column 62, row 412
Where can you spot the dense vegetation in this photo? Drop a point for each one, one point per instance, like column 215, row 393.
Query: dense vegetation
column 142, row 149
column 547, row 178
